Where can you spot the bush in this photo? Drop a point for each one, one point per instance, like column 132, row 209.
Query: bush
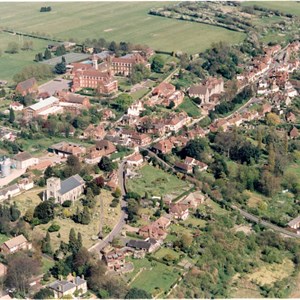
column 54, row 228
column 67, row 203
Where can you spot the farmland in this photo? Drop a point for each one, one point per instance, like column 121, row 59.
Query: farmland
column 125, row 21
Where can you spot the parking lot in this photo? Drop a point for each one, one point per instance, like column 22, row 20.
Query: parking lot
column 55, row 85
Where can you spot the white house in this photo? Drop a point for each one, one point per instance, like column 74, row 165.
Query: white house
column 24, row 160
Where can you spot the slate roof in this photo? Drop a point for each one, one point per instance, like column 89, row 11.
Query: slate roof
column 137, row 244
column 70, row 184
column 10, row 188
column 62, row 285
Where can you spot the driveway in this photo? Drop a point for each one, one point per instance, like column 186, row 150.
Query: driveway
column 55, row 85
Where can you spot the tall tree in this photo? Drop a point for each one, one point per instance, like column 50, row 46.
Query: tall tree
column 271, row 158
column 46, row 244
column 157, row 64
column 73, row 245
column 11, row 116
column 47, row 54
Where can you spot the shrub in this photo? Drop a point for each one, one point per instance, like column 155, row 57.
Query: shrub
column 54, row 228
column 67, row 203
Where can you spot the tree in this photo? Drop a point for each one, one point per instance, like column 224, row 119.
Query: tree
column 139, row 73
column 73, row 165
column 11, row 116
column 106, row 164
column 44, row 211
column 195, row 148
column 2, row 93
column 14, row 212
column 82, row 261
column 271, row 158
column 73, row 245
column 60, row 68
column 157, row 64
column 47, row 54
column 12, row 48
column 46, row 244
column 44, row 293
column 113, row 46
column 136, row 293
column 60, row 50
column 20, row 269
column 272, row 119
column 122, row 102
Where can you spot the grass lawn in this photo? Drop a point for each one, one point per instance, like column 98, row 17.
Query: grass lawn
column 11, row 64
column 292, row 7
column 294, row 168
column 190, row 108
column 216, row 207
column 195, row 222
column 270, row 273
column 47, row 264
column 3, row 238
column 162, row 252
column 119, row 21
column 156, row 182
column 139, row 94
column 158, row 277
column 39, row 146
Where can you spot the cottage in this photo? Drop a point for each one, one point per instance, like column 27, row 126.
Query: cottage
column 115, row 260
column 9, row 192
column 164, row 147
column 3, row 270
column 62, row 288
column 295, row 223
column 149, row 245
column 16, row 106
column 102, row 148
column 69, row 189
column 24, row 160
column 183, row 167
column 135, row 160
column 204, row 91
column 65, row 149
column 164, row 90
column 15, row 244
column 162, row 222
column 294, row 133
column 26, row 87
column 179, row 211
column 94, row 132
column 290, row 117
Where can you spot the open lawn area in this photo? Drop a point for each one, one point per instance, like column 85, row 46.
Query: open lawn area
column 270, row 273
column 11, row 64
column 156, row 278
column 3, row 238
column 119, row 21
column 139, row 94
column 162, row 252
column 292, row 7
column 47, row 264
column 190, row 108
column 156, row 182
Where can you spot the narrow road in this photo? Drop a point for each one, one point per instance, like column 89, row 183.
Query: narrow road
column 257, row 220
column 122, row 221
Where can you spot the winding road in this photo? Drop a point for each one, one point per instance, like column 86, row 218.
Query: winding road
column 122, row 220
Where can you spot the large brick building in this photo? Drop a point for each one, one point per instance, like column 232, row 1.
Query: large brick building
column 124, row 65
column 93, row 78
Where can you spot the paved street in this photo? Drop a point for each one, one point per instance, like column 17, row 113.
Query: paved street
column 122, row 221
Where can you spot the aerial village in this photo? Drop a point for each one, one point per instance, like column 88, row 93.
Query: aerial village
column 102, row 158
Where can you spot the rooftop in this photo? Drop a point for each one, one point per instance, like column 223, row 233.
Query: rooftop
column 70, row 184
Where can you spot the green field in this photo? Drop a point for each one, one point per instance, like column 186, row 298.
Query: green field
column 156, row 279
column 292, row 7
column 190, row 108
column 11, row 64
column 3, row 238
column 156, row 182
column 120, row 21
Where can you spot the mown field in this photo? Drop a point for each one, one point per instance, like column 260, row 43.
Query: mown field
column 11, row 64
column 292, row 7
column 126, row 21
